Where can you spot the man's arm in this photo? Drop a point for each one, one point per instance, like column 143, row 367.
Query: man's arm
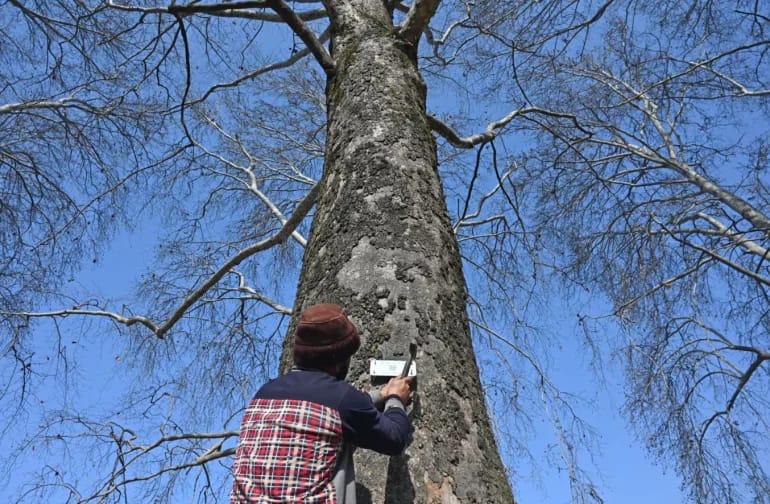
column 388, row 432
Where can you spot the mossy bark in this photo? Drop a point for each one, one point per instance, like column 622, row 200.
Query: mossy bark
column 382, row 246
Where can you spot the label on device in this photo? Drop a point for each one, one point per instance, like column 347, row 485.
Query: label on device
column 390, row 367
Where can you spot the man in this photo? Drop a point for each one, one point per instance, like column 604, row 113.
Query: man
column 299, row 432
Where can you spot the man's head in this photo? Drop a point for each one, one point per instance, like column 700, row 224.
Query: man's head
column 325, row 339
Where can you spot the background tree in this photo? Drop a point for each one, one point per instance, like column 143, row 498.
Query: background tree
column 622, row 155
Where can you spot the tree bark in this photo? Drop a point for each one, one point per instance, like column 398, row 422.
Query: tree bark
column 382, row 246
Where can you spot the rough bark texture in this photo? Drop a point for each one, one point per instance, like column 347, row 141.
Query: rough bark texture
column 382, row 246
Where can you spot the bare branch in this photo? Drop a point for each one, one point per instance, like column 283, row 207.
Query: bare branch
column 296, row 218
column 160, row 330
column 744, row 379
column 742, row 90
column 263, row 70
column 251, row 293
column 668, row 282
column 223, row 9
column 252, row 184
column 128, row 321
column 739, row 239
column 493, row 128
column 418, row 17
column 727, row 262
column 215, row 452
column 305, row 33
column 68, row 102
column 743, row 207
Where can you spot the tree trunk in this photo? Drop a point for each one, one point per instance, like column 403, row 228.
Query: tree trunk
column 382, row 246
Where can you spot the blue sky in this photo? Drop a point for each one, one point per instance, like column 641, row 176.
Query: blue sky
column 623, row 471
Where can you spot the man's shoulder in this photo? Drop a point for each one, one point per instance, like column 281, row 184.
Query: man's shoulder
column 308, row 385
column 356, row 399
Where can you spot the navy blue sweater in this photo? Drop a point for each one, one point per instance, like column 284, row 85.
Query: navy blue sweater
column 387, row 432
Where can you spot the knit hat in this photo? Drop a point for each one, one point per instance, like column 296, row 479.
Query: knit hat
column 324, row 337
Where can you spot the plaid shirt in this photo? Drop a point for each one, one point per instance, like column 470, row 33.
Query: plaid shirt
column 294, row 435
column 287, row 453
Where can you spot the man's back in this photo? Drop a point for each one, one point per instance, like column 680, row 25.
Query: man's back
column 294, row 431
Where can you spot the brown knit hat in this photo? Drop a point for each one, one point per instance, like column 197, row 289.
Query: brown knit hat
column 324, row 336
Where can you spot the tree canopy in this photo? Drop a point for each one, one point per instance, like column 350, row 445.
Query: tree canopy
column 612, row 154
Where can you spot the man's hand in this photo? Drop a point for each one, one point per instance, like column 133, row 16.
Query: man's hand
column 399, row 386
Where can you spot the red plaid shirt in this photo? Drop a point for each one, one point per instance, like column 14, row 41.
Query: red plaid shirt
column 287, row 453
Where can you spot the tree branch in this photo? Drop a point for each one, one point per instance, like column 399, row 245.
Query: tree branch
column 741, row 206
column 742, row 90
column 744, row 379
column 416, row 20
column 263, row 70
column 68, row 102
column 253, row 183
column 160, row 330
column 671, row 160
column 305, row 33
column 128, row 321
column 665, row 283
column 492, row 129
column 727, row 262
column 282, row 235
column 739, row 239
column 251, row 293
column 210, row 455
column 223, row 9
